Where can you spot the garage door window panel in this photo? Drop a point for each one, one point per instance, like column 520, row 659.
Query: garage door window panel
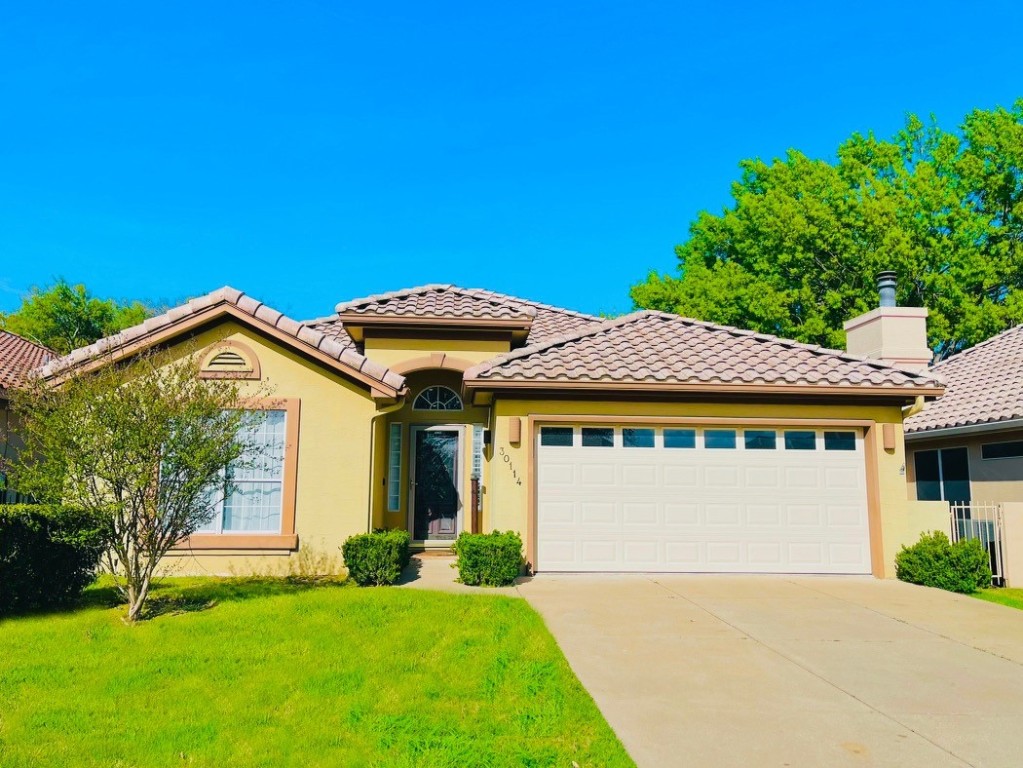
column 839, row 441
column 598, row 437
column 560, row 437
column 719, row 439
column 680, row 438
column 637, row 438
column 760, row 439
column 800, row 440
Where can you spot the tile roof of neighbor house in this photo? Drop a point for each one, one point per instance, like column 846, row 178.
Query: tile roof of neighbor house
column 659, row 348
column 452, row 302
column 984, row 385
column 19, row 356
column 302, row 335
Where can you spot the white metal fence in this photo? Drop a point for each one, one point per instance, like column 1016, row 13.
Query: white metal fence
column 981, row 520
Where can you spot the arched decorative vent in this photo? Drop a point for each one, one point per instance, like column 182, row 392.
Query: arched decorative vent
column 229, row 360
column 437, row 398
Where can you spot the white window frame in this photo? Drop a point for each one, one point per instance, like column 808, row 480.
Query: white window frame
column 216, row 525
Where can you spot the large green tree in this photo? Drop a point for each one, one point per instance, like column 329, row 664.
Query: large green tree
column 64, row 317
column 797, row 252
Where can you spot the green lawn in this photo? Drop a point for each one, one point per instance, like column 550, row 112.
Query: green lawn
column 1003, row 596
column 272, row 674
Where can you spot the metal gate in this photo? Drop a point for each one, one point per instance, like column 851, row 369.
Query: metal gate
column 981, row 520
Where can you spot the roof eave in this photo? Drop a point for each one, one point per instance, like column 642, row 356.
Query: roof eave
column 203, row 317
column 965, row 429
column 355, row 323
column 908, row 394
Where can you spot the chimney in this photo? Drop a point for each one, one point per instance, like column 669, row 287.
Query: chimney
column 892, row 334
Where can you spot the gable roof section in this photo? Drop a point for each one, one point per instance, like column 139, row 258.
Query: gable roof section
column 664, row 352
column 228, row 301
column 19, row 356
column 984, row 385
column 454, row 303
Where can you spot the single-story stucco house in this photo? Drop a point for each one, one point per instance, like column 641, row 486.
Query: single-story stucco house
column 968, row 446
column 18, row 358
column 648, row 442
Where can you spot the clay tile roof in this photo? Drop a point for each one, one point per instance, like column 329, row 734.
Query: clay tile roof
column 440, row 301
column 449, row 301
column 303, row 336
column 659, row 348
column 18, row 357
column 983, row 385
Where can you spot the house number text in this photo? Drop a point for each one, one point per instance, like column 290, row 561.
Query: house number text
column 506, row 458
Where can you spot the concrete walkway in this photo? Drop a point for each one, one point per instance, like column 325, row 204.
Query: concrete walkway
column 437, row 571
column 792, row 671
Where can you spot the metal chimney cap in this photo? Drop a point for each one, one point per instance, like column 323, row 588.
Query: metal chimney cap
column 886, row 283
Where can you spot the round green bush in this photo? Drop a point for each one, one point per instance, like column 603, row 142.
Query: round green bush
column 489, row 559
column 935, row 562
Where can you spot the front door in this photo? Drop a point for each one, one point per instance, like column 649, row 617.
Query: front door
column 435, row 494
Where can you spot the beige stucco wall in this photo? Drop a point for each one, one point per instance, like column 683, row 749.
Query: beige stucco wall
column 332, row 500
column 395, row 351
column 1012, row 543
column 990, row 479
column 510, row 481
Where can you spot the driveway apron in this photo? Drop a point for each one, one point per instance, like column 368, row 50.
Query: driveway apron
column 695, row 670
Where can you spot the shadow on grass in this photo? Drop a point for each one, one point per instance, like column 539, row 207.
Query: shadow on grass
column 172, row 596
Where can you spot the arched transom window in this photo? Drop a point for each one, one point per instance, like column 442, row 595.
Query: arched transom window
column 437, row 399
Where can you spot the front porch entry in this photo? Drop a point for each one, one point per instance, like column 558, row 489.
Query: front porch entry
column 435, row 482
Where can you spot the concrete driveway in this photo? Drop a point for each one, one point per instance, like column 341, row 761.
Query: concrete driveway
column 792, row 671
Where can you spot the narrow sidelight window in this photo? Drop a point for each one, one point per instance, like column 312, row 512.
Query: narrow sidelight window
column 394, row 469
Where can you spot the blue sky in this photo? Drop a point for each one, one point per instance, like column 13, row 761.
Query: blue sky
column 308, row 152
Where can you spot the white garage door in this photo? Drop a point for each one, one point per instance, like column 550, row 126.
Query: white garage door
column 766, row 500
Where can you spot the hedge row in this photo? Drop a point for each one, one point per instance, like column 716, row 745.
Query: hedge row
column 48, row 555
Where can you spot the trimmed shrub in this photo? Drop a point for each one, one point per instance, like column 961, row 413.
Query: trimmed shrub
column 489, row 559
column 376, row 559
column 935, row 562
column 48, row 555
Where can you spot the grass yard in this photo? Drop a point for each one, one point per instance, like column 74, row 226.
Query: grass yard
column 1003, row 596
column 243, row 673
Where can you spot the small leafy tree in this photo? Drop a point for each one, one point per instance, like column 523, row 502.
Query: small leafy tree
column 64, row 317
column 144, row 444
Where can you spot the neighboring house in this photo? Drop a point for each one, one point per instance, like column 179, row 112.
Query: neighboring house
column 968, row 446
column 649, row 442
column 18, row 357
